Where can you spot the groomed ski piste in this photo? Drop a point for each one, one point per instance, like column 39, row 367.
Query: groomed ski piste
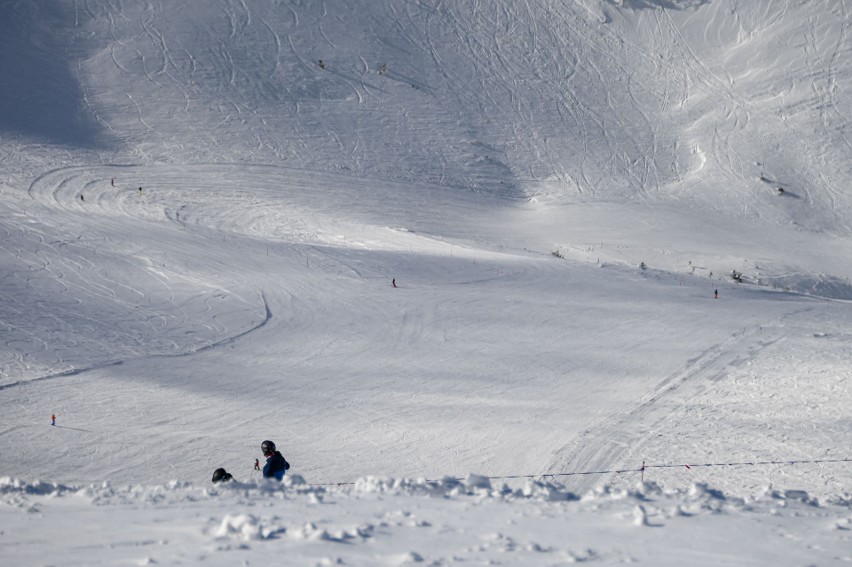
column 507, row 282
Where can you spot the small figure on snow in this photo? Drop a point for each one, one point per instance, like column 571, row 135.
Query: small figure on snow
column 112, row 181
column 393, row 282
column 221, row 475
column 321, row 64
column 276, row 465
column 715, row 294
column 53, row 419
column 256, row 465
column 140, row 190
column 82, row 198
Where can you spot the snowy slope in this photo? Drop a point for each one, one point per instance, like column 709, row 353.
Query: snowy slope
column 205, row 206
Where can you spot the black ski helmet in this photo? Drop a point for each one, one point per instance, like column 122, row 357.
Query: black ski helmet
column 267, row 447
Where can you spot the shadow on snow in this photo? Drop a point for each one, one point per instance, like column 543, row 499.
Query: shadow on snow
column 40, row 97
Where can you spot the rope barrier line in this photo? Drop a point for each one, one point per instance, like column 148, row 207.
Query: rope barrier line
column 641, row 469
column 751, row 463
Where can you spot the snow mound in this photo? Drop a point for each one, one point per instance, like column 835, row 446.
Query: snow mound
column 394, row 521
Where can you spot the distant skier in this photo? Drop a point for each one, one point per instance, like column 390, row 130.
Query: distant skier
column 53, row 419
column 276, row 465
column 715, row 294
column 140, row 190
column 393, row 282
column 112, row 181
column 256, row 465
column 221, row 475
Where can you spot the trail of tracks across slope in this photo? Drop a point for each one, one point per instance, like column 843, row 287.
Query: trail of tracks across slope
column 603, row 446
column 89, row 285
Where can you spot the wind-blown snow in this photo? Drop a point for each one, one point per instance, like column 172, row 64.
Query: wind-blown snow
column 205, row 208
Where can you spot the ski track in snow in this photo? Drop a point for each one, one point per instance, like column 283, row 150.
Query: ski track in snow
column 606, row 445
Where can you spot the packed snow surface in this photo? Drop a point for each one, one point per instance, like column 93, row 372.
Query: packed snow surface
column 507, row 282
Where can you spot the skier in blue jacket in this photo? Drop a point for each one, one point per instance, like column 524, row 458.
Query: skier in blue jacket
column 276, row 465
